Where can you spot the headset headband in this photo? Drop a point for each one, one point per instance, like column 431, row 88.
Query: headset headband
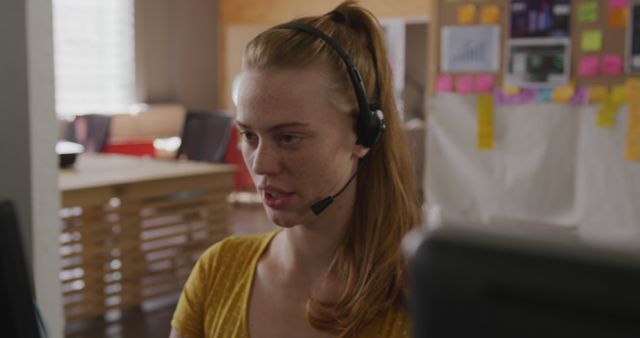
column 370, row 118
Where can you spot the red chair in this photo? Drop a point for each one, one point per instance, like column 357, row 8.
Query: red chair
column 133, row 147
column 242, row 180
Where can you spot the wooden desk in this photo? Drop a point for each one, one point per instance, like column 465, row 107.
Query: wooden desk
column 132, row 228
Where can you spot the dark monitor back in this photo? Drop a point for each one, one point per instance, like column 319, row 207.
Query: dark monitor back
column 472, row 283
column 16, row 295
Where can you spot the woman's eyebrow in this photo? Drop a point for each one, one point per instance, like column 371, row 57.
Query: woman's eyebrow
column 277, row 126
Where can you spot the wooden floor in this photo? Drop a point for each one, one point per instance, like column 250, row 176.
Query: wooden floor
column 155, row 321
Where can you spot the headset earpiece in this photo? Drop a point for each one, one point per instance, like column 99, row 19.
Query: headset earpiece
column 377, row 127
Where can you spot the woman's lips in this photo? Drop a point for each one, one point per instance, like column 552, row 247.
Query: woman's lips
column 277, row 199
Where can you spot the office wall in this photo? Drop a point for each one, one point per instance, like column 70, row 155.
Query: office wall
column 28, row 165
column 241, row 19
column 176, row 52
column 551, row 165
column 550, row 161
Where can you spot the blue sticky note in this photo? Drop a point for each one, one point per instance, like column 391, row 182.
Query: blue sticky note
column 545, row 94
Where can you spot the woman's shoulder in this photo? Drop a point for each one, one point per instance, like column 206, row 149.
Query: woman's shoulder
column 234, row 249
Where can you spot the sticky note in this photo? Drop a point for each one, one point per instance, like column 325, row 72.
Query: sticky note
column 611, row 65
column 484, row 83
column 619, row 94
column 633, row 91
column 632, row 147
column 588, row 12
column 591, row 41
column 467, row 14
column 598, row 94
column 607, row 114
column 444, row 84
column 589, row 66
column 486, row 139
column 563, row 93
column 618, row 3
column 545, row 94
column 490, row 14
column 511, row 90
column 581, row 96
column 464, row 84
column 618, row 17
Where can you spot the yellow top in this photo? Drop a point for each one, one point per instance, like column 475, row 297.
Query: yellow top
column 214, row 301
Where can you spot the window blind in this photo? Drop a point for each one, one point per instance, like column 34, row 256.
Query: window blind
column 94, row 56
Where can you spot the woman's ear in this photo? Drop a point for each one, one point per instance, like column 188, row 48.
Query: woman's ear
column 359, row 151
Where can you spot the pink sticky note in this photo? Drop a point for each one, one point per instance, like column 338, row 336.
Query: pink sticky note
column 611, row 65
column 484, row 83
column 588, row 66
column 444, row 84
column 464, row 84
column 618, row 3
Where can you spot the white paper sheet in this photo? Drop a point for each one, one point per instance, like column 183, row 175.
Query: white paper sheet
column 551, row 165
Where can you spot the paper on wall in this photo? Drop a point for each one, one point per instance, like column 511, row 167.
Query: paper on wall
column 541, row 62
column 470, row 49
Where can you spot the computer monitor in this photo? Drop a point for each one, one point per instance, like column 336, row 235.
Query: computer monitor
column 474, row 283
column 16, row 294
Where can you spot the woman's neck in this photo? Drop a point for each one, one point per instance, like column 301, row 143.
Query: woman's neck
column 308, row 249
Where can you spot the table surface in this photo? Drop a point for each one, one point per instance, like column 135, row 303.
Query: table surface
column 97, row 170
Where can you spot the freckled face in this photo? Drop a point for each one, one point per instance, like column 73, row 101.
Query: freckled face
column 297, row 145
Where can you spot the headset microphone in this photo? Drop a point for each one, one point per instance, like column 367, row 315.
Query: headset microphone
column 319, row 207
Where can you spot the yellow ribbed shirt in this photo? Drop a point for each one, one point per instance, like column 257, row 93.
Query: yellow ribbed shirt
column 215, row 299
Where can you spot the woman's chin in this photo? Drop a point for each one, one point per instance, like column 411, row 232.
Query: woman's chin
column 284, row 219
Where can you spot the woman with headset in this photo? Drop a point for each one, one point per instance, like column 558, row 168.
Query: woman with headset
column 323, row 142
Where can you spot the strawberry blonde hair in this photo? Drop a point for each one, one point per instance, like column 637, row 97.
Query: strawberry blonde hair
column 368, row 261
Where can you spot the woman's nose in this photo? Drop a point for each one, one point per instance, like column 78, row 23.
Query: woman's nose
column 265, row 160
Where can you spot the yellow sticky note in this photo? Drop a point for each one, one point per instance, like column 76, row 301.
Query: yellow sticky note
column 597, row 94
column 563, row 93
column 607, row 114
column 486, row 139
column 511, row 90
column 467, row 14
column 633, row 91
column 591, row 41
column 490, row 14
column 632, row 147
column 619, row 94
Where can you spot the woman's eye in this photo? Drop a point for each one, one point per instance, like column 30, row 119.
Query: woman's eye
column 248, row 137
column 288, row 139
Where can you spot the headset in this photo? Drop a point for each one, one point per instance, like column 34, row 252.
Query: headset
column 370, row 121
